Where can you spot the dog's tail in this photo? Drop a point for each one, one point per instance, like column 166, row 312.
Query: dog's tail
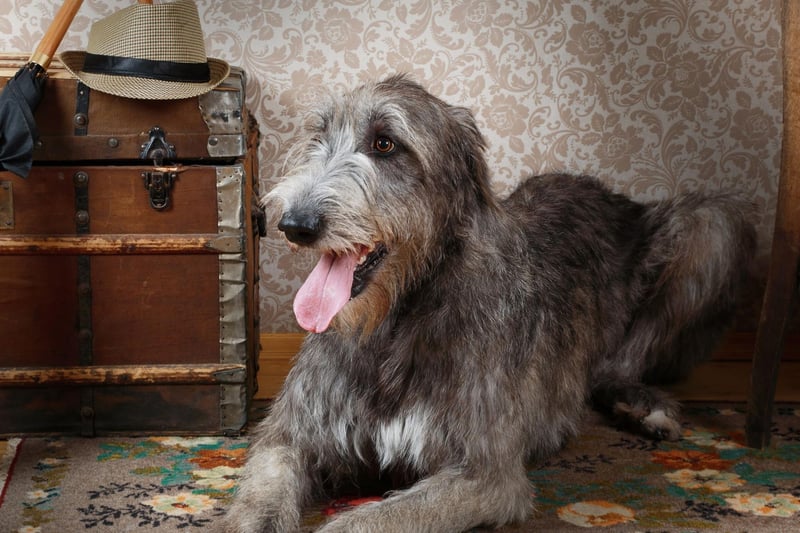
column 702, row 249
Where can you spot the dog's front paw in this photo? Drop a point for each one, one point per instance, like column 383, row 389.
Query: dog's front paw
column 363, row 519
column 252, row 521
column 271, row 490
column 264, row 511
column 261, row 511
column 345, row 524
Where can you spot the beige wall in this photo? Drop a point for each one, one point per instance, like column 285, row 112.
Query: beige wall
column 654, row 97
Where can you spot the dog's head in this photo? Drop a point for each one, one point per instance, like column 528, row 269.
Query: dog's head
column 383, row 181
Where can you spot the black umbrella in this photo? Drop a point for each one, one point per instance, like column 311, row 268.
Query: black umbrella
column 23, row 93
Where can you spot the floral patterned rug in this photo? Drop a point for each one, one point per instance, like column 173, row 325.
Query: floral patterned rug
column 606, row 479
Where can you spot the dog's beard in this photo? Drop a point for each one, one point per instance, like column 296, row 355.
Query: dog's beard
column 335, row 280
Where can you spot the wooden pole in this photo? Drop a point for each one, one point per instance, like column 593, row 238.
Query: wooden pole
column 780, row 295
column 55, row 33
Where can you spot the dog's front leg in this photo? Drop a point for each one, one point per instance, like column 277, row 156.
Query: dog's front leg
column 448, row 501
column 272, row 490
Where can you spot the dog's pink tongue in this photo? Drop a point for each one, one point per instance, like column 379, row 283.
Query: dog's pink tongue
column 325, row 292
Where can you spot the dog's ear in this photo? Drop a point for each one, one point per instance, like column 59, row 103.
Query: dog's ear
column 469, row 128
column 471, row 146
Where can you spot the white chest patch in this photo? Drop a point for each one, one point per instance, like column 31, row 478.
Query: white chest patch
column 402, row 440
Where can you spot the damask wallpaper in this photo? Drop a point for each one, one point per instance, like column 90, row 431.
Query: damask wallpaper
column 653, row 96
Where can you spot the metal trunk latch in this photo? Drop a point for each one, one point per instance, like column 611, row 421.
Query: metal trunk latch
column 158, row 183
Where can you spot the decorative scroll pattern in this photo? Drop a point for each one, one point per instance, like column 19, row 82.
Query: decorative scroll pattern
column 653, row 96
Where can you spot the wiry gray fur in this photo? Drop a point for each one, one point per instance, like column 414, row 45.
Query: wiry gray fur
column 488, row 326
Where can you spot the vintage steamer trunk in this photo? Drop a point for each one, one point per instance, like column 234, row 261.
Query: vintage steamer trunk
column 128, row 291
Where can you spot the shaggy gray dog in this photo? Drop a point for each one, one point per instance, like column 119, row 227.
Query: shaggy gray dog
column 457, row 336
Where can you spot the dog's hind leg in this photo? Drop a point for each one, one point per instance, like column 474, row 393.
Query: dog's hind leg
column 698, row 256
column 448, row 501
column 638, row 407
column 654, row 352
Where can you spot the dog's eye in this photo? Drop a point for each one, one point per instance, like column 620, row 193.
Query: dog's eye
column 384, row 145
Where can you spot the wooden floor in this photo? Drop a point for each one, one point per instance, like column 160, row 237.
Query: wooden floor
column 725, row 378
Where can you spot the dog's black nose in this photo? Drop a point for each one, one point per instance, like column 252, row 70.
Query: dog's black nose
column 301, row 228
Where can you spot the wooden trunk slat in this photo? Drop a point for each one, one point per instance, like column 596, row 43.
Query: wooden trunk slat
column 41, row 410
column 155, row 309
column 122, row 375
column 116, row 128
column 38, row 305
column 119, row 244
column 181, row 409
column 119, row 202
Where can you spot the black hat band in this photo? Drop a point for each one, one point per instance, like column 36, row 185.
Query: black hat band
column 147, row 68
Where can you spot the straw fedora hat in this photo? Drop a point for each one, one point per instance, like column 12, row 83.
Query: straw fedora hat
column 148, row 51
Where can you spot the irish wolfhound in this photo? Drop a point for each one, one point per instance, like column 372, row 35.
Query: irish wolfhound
column 455, row 335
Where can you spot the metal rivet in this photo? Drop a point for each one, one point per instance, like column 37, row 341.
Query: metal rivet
column 80, row 179
column 213, row 141
column 113, row 142
column 81, row 119
column 82, row 217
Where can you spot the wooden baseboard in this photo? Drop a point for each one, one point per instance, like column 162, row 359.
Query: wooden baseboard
column 729, row 381
column 275, row 360
column 725, row 378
